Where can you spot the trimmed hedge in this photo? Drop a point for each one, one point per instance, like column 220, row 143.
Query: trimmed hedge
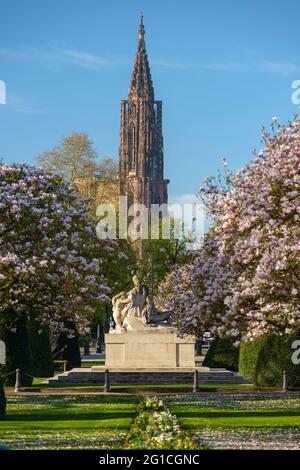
column 41, row 355
column 18, row 354
column 248, row 359
column 222, row 354
column 2, row 401
column 264, row 359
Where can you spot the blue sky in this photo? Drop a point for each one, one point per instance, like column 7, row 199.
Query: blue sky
column 223, row 69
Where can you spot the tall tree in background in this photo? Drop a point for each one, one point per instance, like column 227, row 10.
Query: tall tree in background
column 75, row 157
column 77, row 161
column 107, row 185
column 160, row 256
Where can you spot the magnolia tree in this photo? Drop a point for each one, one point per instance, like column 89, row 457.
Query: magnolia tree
column 51, row 263
column 248, row 284
column 195, row 292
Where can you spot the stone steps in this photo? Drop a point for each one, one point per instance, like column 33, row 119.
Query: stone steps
column 146, row 377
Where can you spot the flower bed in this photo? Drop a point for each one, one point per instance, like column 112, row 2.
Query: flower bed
column 155, row 427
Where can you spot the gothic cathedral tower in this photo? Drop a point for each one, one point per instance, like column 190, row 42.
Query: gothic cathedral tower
column 141, row 160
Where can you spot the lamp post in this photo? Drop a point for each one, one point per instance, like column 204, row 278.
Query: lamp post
column 98, row 343
column 18, row 380
column 106, row 388
column 196, row 382
column 284, row 382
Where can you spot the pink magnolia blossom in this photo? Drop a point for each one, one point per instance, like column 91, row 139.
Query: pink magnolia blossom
column 245, row 280
column 52, row 265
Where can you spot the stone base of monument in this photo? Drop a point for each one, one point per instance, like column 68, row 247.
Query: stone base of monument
column 145, row 347
column 163, row 376
column 144, row 355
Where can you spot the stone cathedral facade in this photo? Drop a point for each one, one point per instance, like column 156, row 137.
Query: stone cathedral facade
column 141, row 157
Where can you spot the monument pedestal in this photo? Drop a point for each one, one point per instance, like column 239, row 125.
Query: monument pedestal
column 146, row 347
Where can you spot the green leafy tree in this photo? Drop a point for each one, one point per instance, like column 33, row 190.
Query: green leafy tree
column 160, row 256
column 40, row 348
column 18, row 354
column 222, row 354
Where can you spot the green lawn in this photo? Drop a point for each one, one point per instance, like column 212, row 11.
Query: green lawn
column 92, row 363
column 237, row 410
column 61, row 422
column 238, row 420
column 208, row 417
column 102, row 421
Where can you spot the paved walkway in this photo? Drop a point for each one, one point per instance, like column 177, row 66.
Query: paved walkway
column 93, row 357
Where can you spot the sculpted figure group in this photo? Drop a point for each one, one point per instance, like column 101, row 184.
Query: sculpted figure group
column 137, row 303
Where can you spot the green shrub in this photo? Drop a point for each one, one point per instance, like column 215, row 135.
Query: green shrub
column 18, row 354
column 222, row 354
column 2, row 401
column 248, row 358
column 41, row 355
column 264, row 360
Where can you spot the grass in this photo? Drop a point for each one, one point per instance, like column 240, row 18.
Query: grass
column 102, row 421
column 60, row 422
column 237, row 410
column 205, row 417
column 92, row 363
column 239, row 420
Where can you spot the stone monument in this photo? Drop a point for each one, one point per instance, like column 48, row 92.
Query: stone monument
column 144, row 337
column 144, row 349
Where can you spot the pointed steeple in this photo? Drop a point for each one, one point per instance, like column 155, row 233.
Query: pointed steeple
column 141, row 28
column 141, row 81
column 141, row 157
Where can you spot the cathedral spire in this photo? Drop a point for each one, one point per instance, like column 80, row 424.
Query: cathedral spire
column 141, row 81
column 141, row 28
column 141, row 173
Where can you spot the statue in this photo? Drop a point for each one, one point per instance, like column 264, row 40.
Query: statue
column 137, row 304
column 118, row 302
column 154, row 317
column 137, row 299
